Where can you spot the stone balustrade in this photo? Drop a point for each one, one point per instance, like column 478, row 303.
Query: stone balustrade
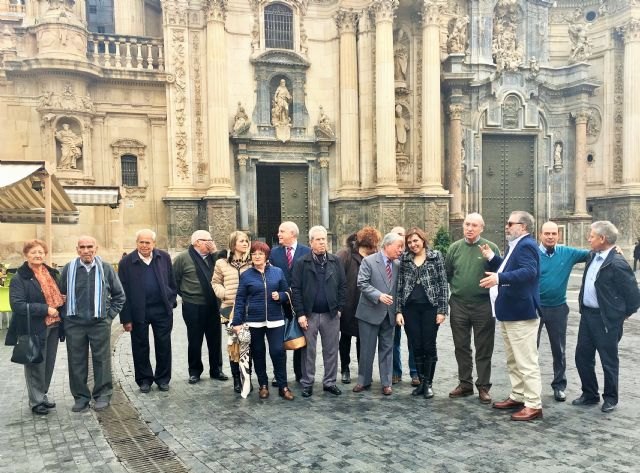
column 126, row 52
column 11, row 6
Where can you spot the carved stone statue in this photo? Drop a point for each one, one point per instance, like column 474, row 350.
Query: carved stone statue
column 581, row 45
column 70, row 147
column 457, row 41
column 7, row 38
column 241, row 121
column 280, row 110
column 402, row 127
column 507, row 52
column 324, row 124
column 400, row 57
column 557, row 156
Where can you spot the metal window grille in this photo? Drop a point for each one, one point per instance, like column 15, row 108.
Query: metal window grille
column 278, row 27
column 129, row 167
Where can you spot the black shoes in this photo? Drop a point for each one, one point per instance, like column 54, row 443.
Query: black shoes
column 220, row 376
column 40, row 410
column 49, row 405
column 607, row 406
column 162, row 387
column 346, row 376
column 193, row 379
column 307, row 392
column 428, row 390
column 586, row 401
column 80, row 405
column 237, row 384
column 559, row 395
column 332, row 389
column 145, row 388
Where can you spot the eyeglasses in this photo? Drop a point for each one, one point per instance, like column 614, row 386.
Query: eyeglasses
column 511, row 224
column 205, row 239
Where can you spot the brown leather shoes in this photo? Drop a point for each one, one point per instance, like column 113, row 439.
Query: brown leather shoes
column 264, row 392
column 415, row 381
column 461, row 391
column 484, row 396
column 528, row 413
column 286, row 394
column 358, row 388
column 387, row 391
column 508, row 403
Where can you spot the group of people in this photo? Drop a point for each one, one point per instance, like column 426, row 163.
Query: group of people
column 367, row 290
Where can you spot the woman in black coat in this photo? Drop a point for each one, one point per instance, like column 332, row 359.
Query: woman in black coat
column 34, row 292
column 360, row 244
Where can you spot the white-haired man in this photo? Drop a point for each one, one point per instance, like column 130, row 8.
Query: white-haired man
column 193, row 270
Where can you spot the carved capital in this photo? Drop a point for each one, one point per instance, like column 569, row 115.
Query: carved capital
column 630, row 32
column 383, row 10
column 175, row 12
column 242, row 160
column 324, row 163
column 581, row 117
column 347, row 20
column 216, row 10
column 430, row 12
column 455, row 111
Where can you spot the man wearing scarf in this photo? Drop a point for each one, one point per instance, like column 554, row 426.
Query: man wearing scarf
column 193, row 270
column 94, row 297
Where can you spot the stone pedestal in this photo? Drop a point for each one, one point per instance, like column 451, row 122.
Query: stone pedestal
column 220, row 218
column 182, row 221
column 624, row 213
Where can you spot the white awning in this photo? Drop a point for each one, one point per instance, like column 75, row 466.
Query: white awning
column 21, row 203
column 94, row 195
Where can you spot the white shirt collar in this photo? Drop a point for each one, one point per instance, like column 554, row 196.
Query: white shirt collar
column 147, row 261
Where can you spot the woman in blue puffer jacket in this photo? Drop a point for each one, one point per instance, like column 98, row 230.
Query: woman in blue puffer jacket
column 259, row 300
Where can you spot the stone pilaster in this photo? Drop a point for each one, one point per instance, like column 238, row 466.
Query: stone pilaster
column 455, row 157
column 217, row 96
column 347, row 21
column 243, row 158
column 324, row 191
column 365, row 78
column 580, row 205
column 383, row 11
column 431, row 118
column 631, row 117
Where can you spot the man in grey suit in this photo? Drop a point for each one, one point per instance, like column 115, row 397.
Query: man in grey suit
column 376, row 312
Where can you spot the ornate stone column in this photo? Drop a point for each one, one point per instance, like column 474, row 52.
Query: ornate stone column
column 631, row 117
column 455, row 156
column 431, row 119
column 217, row 98
column 580, row 205
column 243, row 158
column 365, row 79
column 385, row 97
column 347, row 21
column 324, row 191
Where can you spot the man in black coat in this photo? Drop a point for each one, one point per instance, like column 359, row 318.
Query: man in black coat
column 608, row 296
column 149, row 284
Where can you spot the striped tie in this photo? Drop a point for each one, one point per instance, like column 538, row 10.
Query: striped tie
column 289, row 257
column 389, row 273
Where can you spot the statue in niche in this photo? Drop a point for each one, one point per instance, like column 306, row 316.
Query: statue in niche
column 241, row 121
column 457, row 41
column 323, row 128
column 281, row 101
column 557, row 156
column 402, row 127
column 70, row 147
column 400, row 57
column 581, row 45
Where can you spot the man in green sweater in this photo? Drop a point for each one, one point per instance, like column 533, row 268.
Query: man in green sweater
column 556, row 263
column 471, row 309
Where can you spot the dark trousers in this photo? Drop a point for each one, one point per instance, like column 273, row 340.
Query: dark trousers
column 345, row 350
column 275, row 338
column 422, row 330
column 592, row 337
column 82, row 335
column 161, row 323
column 635, row 262
column 201, row 322
column 555, row 320
column 477, row 318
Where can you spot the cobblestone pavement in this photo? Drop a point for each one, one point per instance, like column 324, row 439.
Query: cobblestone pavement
column 210, row 428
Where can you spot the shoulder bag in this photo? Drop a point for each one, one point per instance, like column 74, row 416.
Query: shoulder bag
column 27, row 349
column 293, row 334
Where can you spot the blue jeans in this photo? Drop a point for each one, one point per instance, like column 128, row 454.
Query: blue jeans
column 397, row 359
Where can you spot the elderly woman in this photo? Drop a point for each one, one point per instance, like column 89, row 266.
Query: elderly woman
column 363, row 243
column 34, row 293
column 225, row 281
column 259, row 300
column 421, row 300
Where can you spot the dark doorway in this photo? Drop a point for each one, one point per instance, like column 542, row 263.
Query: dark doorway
column 508, row 164
column 282, row 195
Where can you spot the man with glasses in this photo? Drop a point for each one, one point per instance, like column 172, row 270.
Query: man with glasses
column 515, row 297
column 147, row 277
column 193, row 270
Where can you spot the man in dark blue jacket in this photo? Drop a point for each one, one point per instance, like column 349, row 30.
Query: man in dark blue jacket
column 608, row 296
column 149, row 284
column 515, row 296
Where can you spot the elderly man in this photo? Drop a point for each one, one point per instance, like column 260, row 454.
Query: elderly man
column 193, row 270
column 471, row 309
column 318, row 286
column 556, row 263
column 94, row 297
column 284, row 257
column 147, row 277
column 376, row 312
column 608, row 296
column 515, row 297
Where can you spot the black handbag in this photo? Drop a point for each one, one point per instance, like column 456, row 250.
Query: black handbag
column 28, row 349
column 293, row 334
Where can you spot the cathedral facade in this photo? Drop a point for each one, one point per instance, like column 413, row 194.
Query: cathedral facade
column 226, row 114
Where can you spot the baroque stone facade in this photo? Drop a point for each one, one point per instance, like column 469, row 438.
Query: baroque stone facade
column 388, row 113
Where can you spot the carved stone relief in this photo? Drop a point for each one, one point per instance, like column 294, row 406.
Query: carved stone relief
column 457, row 37
column 508, row 52
column 201, row 164
column 324, row 129
column 510, row 112
column 618, row 116
column 178, row 85
column 594, row 125
column 66, row 100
